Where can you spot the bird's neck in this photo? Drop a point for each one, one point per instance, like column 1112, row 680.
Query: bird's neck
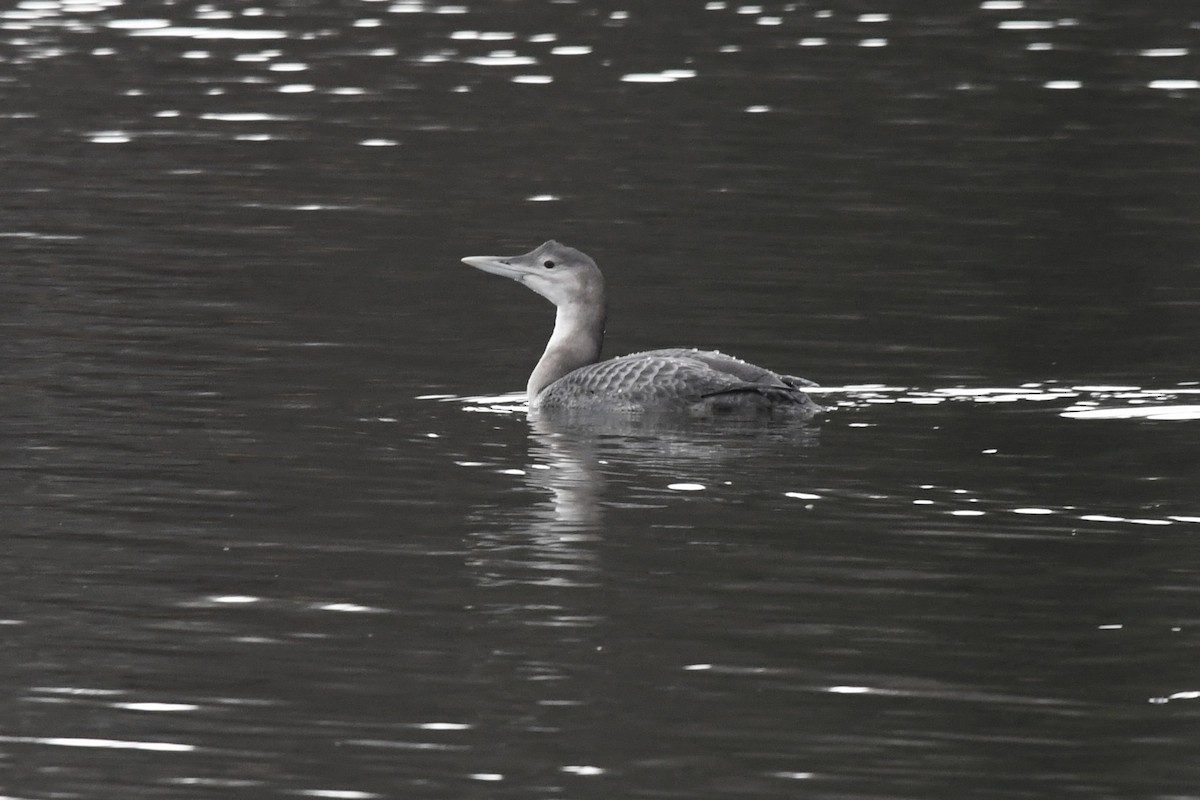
column 576, row 342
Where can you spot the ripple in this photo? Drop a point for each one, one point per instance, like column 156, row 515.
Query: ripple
column 235, row 599
column 581, row 769
column 248, row 116
column 348, row 608
column 207, row 33
column 1175, row 84
column 138, row 24
column 502, row 58
column 1025, row 25
column 76, row 691
column 647, row 77
column 1163, row 412
column 263, row 55
column 102, row 744
column 483, row 36
column 109, row 137
column 157, row 707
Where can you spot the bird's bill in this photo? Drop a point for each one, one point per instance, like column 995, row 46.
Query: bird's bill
column 497, row 265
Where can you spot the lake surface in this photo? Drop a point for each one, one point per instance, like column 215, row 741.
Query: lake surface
column 276, row 524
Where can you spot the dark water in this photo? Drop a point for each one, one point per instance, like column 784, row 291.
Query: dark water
column 266, row 536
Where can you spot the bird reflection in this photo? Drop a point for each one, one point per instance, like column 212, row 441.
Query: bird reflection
column 571, row 467
column 543, row 570
column 572, row 462
column 566, row 467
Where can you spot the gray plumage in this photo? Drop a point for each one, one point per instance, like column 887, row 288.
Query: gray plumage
column 570, row 377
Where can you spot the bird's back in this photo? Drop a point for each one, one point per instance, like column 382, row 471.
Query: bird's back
column 676, row 380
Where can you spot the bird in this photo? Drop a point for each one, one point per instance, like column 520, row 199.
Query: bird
column 570, row 377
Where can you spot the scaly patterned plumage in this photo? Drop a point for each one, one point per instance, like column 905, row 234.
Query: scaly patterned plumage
column 676, row 379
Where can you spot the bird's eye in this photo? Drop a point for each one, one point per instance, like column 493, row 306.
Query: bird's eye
column 548, row 264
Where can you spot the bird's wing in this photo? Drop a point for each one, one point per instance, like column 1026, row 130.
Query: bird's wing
column 652, row 378
column 735, row 367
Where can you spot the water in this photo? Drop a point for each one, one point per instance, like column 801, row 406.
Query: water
column 275, row 527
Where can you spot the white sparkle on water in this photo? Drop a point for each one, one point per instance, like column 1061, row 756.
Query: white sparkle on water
column 156, row 706
column 581, row 769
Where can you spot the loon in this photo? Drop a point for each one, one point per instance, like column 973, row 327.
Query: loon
column 570, row 376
